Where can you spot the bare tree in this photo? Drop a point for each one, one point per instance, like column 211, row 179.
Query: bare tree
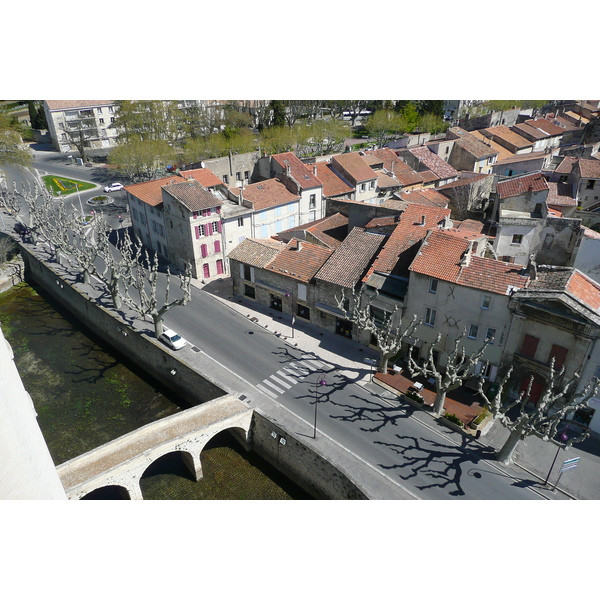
column 144, row 281
column 542, row 418
column 458, row 367
column 387, row 331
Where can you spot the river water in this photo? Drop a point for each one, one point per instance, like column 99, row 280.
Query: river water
column 86, row 395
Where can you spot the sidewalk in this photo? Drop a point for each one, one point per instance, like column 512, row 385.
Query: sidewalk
column 532, row 455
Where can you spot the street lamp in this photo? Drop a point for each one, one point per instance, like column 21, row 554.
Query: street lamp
column 79, row 196
column 319, row 383
column 563, row 438
column 291, row 295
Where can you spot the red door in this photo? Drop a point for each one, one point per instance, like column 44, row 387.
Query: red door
column 206, row 269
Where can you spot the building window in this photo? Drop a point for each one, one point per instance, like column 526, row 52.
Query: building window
column 240, row 221
column 517, row 238
column 433, row 286
column 429, row 317
column 276, row 302
column 238, row 176
column 101, row 121
column 225, row 179
column 303, row 311
column 486, row 301
column 112, row 119
column 590, row 184
column 248, row 272
column 246, row 175
column 249, row 291
column 313, row 201
column 490, row 335
column 362, row 187
column 473, row 331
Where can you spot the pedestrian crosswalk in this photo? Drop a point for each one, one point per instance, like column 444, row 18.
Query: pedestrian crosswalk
column 283, row 380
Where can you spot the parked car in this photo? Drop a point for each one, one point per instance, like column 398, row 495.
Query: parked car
column 172, row 339
column 21, row 229
column 114, row 187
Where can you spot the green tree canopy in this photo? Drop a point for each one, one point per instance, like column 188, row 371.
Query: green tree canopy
column 142, row 160
column 12, row 149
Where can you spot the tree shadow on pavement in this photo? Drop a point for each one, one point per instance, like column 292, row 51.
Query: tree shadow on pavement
column 373, row 412
column 440, row 463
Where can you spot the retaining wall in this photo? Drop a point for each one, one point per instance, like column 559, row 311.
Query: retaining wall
column 302, row 465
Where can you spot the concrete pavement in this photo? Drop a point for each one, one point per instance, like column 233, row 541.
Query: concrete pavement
column 533, row 456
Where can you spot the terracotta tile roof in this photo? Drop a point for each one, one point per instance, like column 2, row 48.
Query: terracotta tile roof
column 402, row 244
column 501, row 150
column 386, row 181
column 574, row 288
column 399, row 169
column 527, row 131
column 192, row 195
column 589, row 168
column 474, row 146
column 428, row 176
column 590, row 233
column 463, row 180
column 300, row 260
column 330, row 230
column 545, row 126
column 517, row 186
column 72, row 104
column 351, row 259
column 256, row 253
column 515, row 158
column 301, row 173
column 433, row 162
column 469, row 225
column 333, row 184
column 584, row 289
column 150, row 192
column 265, row 194
column 426, row 197
column 441, row 254
column 502, row 132
column 204, row 176
column 354, row 165
column 560, row 194
column 566, row 166
column 564, row 124
column 382, row 221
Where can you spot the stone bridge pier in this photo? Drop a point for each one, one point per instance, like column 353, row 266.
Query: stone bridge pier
column 124, row 461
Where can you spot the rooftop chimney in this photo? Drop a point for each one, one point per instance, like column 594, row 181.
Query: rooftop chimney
column 299, row 246
column 315, row 169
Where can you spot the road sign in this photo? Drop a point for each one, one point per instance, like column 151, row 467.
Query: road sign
column 571, row 463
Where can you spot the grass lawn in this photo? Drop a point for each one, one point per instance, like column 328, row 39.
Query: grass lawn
column 61, row 186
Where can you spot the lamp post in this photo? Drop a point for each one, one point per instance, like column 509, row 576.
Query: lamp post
column 79, row 196
column 291, row 295
column 318, row 383
column 563, row 437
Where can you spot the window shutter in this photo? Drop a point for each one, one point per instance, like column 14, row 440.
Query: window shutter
column 529, row 346
column 217, row 246
column 219, row 227
column 197, row 228
column 218, row 210
column 204, row 249
column 559, row 354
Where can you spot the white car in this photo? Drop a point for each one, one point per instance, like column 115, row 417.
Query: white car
column 114, row 187
column 172, row 339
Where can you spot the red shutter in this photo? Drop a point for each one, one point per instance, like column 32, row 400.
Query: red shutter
column 529, row 346
column 217, row 246
column 208, row 229
column 559, row 354
column 218, row 210
column 219, row 267
column 197, row 228
column 206, row 270
column 219, row 227
column 204, row 250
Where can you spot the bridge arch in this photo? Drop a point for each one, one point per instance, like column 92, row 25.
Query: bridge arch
column 123, row 461
column 108, row 492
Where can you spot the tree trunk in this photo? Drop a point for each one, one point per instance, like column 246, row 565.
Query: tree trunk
column 438, row 405
column 383, row 363
column 505, row 453
column 86, row 277
column 158, row 324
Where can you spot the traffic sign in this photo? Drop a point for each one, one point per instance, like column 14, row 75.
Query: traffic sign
column 571, row 463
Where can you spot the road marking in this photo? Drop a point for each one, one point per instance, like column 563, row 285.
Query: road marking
column 286, row 377
column 270, row 383
column 306, row 364
column 318, row 364
column 266, row 391
column 287, row 386
column 295, row 371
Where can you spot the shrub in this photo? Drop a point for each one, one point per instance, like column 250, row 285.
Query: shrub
column 453, row 419
column 414, row 396
column 480, row 417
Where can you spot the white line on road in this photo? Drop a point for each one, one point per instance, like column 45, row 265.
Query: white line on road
column 287, row 386
column 266, row 391
column 286, row 377
column 270, row 383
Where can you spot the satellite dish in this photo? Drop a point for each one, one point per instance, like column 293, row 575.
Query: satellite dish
column 202, row 164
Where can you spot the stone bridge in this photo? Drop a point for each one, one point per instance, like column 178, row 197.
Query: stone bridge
column 123, row 461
